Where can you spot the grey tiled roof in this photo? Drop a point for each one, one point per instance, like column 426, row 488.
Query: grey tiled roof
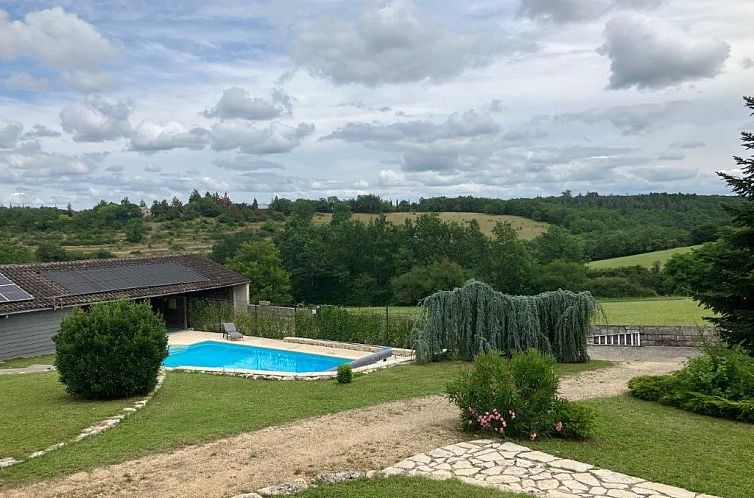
column 48, row 294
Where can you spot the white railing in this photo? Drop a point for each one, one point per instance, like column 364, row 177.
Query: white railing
column 632, row 339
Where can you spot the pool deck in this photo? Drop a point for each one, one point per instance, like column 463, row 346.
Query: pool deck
column 188, row 337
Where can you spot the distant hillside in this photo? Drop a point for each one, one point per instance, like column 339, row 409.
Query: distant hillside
column 525, row 228
column 609, row 226
column 646, row 259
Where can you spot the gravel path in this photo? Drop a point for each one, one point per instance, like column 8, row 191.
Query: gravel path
column 363, row 439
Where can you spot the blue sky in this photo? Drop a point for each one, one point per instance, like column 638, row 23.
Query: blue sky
column 106, row 99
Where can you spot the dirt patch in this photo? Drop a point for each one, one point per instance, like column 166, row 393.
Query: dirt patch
column 363, row 439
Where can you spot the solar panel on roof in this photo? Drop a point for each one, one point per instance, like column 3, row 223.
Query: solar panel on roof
column 96, row 280
column 10, row 292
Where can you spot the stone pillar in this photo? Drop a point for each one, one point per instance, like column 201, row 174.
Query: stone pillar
column 241, row 297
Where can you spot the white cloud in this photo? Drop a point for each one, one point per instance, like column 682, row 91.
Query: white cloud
column 55, row 38
column 687, row 144
column 25, row 82
column 32, row 165
column 97, row 120
column 88, row 81
column 670, row 156
column 566, row 11
column 660, row 173
column 149, row 136
column 10, row 131
column 392, row 43
column 249, row 164
column 468, row 124
column 152, row 168
column 635, row 119
column 39, row 131
column 236, row 103
column 245, row 137
column 651, row 53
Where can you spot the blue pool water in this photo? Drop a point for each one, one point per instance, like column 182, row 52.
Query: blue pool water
column 220, row 355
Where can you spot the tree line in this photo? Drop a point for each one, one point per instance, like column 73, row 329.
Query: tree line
column 610, row 225
column 375, row 262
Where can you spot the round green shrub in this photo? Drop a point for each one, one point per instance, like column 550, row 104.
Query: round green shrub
column 517, row 397
column 111, row 351
column 345, row 373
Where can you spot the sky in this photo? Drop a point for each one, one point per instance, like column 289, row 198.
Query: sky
column 105, row 99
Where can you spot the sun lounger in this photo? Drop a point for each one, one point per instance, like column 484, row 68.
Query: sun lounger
column 230, row 332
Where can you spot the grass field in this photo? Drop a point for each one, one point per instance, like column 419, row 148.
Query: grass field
column 36, row 413
column 667, row 445
column 191, row 408
column 636, row 437
column 655, row 311
column 646, row 259
column 648, row 311
column 405, row 487
column 525, row 228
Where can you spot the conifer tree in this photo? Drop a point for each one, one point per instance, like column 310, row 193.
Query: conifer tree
column 727, row 286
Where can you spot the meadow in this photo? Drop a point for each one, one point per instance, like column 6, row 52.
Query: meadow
column 645, row 311
column 525, row 228
column 646, row 259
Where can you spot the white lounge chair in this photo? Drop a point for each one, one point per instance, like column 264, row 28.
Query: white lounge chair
column 230, row 332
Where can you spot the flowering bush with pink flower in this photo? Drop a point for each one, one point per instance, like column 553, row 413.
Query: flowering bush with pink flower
column 517, row 397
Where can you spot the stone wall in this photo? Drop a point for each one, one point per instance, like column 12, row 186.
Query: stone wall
column 656, row 335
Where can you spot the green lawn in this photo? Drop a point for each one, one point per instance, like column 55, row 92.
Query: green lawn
column 645, row 311
column 644, row 259
column 667, row 445
column 37, row 412
column 47, row 359
column 405, row 487
column 193, row 407
column 655, row 311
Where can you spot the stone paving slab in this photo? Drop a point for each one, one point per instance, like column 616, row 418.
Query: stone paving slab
column 511, row 467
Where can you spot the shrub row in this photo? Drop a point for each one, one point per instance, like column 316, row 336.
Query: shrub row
column 329, row 322
column 718, row 383
column 209, row 315
column 340, row 324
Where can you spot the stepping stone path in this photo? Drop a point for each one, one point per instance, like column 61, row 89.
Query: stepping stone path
column 515, row 468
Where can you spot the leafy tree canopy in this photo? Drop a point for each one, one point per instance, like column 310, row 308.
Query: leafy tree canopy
column 260, row 261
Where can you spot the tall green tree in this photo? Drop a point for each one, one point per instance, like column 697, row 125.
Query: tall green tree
column 421, row 281
column 511, row 267
column 729, row 262
column 136, row 230
column 260, row 261
column 557, row 243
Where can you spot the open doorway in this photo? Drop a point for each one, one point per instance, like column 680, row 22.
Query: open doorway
column 173, row 310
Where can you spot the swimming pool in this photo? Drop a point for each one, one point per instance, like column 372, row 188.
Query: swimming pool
column 212, row 354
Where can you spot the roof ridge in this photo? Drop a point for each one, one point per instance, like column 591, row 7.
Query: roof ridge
column 45, row 264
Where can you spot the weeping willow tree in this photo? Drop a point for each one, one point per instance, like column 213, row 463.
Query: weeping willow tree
column 476, row 318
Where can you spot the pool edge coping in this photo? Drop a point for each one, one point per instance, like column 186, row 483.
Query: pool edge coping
column 400, row 357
